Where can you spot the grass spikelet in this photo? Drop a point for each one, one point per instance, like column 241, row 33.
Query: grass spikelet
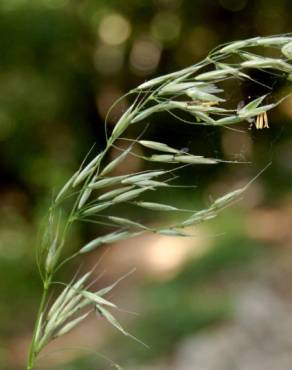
column 108, row 181
column 152, row 184
column 192, row 159
column 112, row 320
column 135, row 179
column 84, row 198
column 96, row 299
column 287, row 50
column 66, row 187
column 172, row 232
column 126, row 222
column 219, row 73
column 129, row 195
column 109, row 238
column 97, row 208
column 158, row 146
column 113, row 164
column 66, row 295
column 157, row 206
column 114, row 193
column 234, row 47
column 87, row 171
column 52, row 254
column 71, row 325
column 123, row 122
column 228, row 198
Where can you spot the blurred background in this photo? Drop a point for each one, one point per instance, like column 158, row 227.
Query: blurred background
column 220, row 301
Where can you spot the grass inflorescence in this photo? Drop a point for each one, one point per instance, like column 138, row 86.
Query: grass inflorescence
column 198, row 91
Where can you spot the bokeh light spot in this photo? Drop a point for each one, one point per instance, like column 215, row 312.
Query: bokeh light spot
column 114, row 29
column 145, row 56
column 166, row 255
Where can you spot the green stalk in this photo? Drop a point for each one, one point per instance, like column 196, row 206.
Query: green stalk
column 33, row 351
